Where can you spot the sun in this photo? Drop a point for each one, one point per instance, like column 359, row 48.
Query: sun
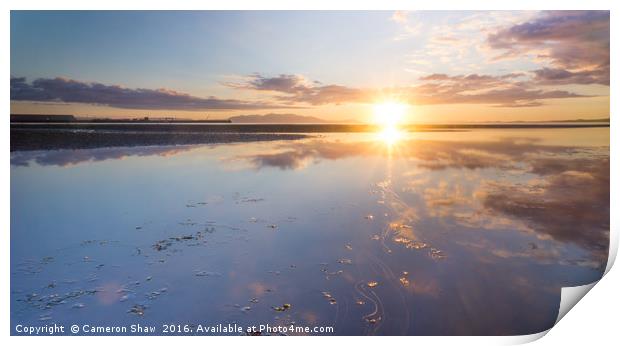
column 389, row 115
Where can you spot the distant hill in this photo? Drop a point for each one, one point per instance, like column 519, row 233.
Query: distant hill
column 600, row 120
column 597, row 120
column 273, row 118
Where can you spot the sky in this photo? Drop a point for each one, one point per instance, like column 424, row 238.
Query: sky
column 443, row 66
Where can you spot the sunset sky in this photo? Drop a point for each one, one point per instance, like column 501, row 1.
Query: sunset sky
column 446, row 66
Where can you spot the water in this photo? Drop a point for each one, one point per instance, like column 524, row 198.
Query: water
column 438, row 233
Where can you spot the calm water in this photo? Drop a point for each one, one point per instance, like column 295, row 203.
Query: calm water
column 469, row 232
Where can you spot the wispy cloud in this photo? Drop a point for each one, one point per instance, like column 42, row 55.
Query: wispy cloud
column 576, row 44
column 299, row 89
column 559, row 76
column 409, row 27
column 507, row 90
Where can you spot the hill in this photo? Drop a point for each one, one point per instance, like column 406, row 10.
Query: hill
column 273, row 118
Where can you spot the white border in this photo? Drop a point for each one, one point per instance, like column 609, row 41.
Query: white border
column 594, row 319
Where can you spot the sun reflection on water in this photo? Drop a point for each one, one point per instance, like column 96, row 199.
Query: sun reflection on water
column 390, row 135
column 388, row 116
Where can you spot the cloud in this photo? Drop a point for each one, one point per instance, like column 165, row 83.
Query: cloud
column 287, row 83
column 400, row 16
column 558, row 76
column 408, row 26
column 296, row 89
column 508, row 90
column 68, row 90
column 576, row 43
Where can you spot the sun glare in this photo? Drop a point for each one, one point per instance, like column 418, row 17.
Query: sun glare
column 390, row 135
column 389, row 116
column 390, row 113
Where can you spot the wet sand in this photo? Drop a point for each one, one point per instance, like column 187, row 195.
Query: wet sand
column 23, row 139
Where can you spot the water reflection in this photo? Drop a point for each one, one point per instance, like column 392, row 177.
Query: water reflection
column 470, row 233
column 504, row 153
column 390, row 135
column 73, row 157
column 552, row 190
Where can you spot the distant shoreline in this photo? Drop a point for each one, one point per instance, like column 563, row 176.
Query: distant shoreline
column 284, row 128
column 271, row 119
column 51, row 136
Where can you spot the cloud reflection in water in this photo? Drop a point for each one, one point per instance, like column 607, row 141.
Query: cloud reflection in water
column 557, row 192
column 65, row 158
column 469, row 236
